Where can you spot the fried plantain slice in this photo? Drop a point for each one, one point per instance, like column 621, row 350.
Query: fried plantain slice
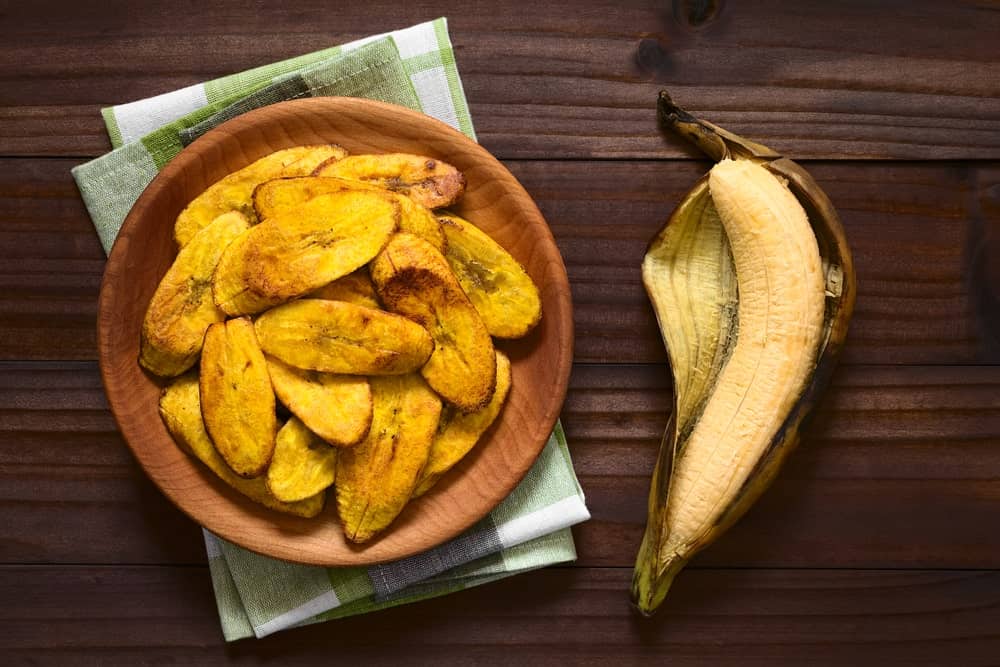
column 340, row 337
column 356, row 288
column 281, row 195
column 232, row 193
column 429, row 182
column 412, row 278
column 303, row 464
column 311, row 160
column 180, row 408
column 498, row 286
column 376, row 478
column 337, row 408
column 458, row 433
column 182, row 307
column 293, row 254
column 237, row 400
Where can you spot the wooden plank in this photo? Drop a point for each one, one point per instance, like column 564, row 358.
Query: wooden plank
column 899, row 468
column 921, row 235
column 152, row 615
column 911, row 80
column 917, row 234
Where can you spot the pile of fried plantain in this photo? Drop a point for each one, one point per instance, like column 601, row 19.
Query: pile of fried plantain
column 325, row 326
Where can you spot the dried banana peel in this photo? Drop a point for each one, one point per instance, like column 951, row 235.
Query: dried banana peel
column 412, row 278
column 291, row 255
column 233, row 192
column 376, row 478
column 428, row 182
column 458, row 433
column 182, row 306
column 753, row 287
column 237, row 400
column 285, row 195
column 498, row 286
column 337, row 408
column 340, row 337
column 303, row 464
column 180, row 408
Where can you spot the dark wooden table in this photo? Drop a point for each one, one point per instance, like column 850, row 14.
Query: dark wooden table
column 879, row 544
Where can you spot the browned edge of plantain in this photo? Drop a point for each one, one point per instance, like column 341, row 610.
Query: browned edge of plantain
column 841, row 292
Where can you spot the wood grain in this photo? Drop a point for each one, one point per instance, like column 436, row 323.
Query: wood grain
column 148, row 615
column 899, row 467
column 901, row 80
column 924, row 239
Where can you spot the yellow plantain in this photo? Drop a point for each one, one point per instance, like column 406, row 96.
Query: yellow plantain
column 182, row 307
column 376, row 478
column 337, row 408
column 180, row 408
column 753, row 286
column 356, row 288
column 303, row 464
column 286, row 195
column 233, row 192
column 237, row 400
column 428, row 182
column 458, row 433
column 412, row 278
column 497, row 285
column 339, row 337
column 291, row 255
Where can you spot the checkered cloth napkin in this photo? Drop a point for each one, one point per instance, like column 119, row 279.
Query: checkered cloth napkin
column 256, row 595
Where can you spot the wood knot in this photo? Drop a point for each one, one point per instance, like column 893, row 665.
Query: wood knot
column 696, row 13
column 651, row 57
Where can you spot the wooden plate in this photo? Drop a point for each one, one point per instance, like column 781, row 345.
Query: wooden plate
column 494, row 200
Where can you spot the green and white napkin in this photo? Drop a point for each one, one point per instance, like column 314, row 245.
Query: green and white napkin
column 256, row 595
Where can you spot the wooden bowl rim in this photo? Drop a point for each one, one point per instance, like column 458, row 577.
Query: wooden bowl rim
column 118, row 394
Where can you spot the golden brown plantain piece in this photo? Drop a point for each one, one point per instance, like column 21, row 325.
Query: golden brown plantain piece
column 337, row 408
column 303, row 464
column 312, row 159
column 293, row 254
column 237, row 400
column 282, row 195
column 340, row 337
column 182, row 307
column 429, row 182
column 180, row 408
column 498, row 286
column 458, row 433
column 412, row 278
column 356, row 288
column 233, row 192
column 376, row 478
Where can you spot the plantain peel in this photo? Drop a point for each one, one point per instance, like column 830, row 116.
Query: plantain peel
column 752, row 283
column 180, row 408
